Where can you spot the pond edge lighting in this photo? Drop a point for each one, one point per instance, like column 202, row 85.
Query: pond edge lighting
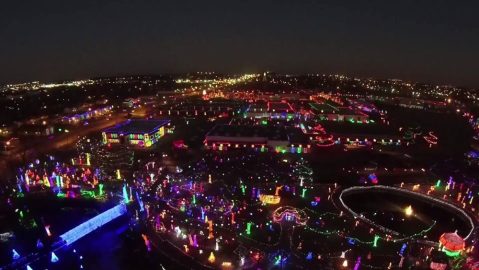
column 395, row 189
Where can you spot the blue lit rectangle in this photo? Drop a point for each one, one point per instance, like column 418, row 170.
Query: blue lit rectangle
column 92, row 224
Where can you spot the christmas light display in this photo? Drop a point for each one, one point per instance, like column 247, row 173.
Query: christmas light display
column 452, row 244
column 204, row 196
column 375, row 242
column 142, row 133
column 248, row 228
column 290, row 214
column 15, row 255
column 126, row 199
column 53, row 257
column 212, row 257
column 269, row 199
column 92, row 224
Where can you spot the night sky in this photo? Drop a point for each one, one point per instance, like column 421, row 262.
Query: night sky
column 431, row 41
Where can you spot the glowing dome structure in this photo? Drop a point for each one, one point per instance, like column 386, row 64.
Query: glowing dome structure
column 452, row 244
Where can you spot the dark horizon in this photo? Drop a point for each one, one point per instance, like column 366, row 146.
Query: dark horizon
column 146, row 74
column 430, row 41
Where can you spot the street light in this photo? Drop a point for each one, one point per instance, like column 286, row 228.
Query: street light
column 408, row 210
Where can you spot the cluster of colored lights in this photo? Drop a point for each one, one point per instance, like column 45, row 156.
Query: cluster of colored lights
column 290, row 214
column 67, row 181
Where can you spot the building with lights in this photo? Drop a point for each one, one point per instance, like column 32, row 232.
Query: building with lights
column 277, row 110
column 263, row 138
column 330, row 112
column 422, row 104
column 141, row 133
column 87, row 114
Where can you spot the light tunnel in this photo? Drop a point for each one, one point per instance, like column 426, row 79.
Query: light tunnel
column 92, row 224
